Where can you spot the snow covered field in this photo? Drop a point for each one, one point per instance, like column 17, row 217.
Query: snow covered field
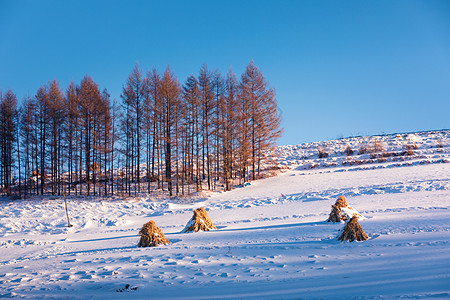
column 272, row 239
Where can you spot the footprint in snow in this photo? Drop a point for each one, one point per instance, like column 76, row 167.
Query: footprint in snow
column 127, row 288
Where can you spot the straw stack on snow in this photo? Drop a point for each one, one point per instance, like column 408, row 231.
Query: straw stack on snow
column 151, row 235
column 341, row 211
column 353, row 231
column 200, row 221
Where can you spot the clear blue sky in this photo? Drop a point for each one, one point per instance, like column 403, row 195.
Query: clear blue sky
column 340, row 68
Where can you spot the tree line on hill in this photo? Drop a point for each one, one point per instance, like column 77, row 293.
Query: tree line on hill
column 209, row 133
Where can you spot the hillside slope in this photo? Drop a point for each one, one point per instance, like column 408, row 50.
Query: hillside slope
column 272, row 239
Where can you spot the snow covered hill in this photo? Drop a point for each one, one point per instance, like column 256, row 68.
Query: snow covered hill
column 272, row 239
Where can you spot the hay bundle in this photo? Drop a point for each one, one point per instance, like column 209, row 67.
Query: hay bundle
column 336, row 215
column 200, row 221
column 151, row 235
column 341, row 211
column 341, row 202
column 353, row 231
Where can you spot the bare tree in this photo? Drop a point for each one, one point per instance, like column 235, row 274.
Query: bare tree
column 56, row 117
column 42, row 100
column 171, row 114
column 206, row 96
column 89, row 100
column 133, row 95
column 27, row 134
column 193, row 129
column 71, row 127
column 229, row 118
column 8, row 136
column 263, row 117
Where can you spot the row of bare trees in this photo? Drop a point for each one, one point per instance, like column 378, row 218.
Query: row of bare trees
column 209, row 133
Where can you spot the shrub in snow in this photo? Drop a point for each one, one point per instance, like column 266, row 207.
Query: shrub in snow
column 348, row 151
column 341, row 212
column 353, row 231
column 200, row 221
column 409, row 150
column 362, row 149
column 151, row 235
column 322, row 153
column 377, row 146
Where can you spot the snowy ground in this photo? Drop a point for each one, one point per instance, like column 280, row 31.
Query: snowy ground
column 272, row 240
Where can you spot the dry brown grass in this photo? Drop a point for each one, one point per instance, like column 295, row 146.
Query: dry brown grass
column 200, row 221
column 151, row 235
column 353, row 231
